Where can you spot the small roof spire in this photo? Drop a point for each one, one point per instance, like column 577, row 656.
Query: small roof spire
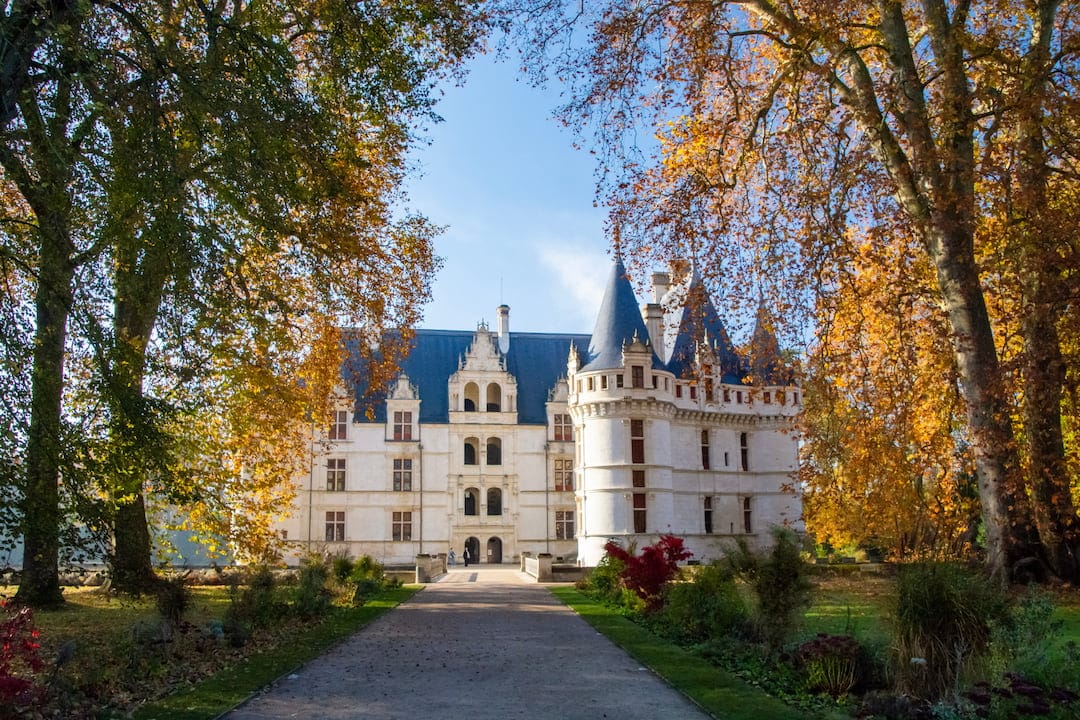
column 616, row 237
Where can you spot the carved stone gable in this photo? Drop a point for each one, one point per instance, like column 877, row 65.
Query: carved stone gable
column 403, row 389
column 483, row 354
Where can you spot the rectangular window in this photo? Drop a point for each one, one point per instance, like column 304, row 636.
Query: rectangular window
column 589, row 383
column 403, row 474
column 708, row 390
column 638, row 477
column 744, row 451
column 693, row 392
column 678, row 390
column 766, row 397
column 335, row 526
column 564, row 524
column 708, row 515
column 619, row 381
column 339, row 425
column 402, row 425
column 401, row 526
column 637, row 441
column 564, row 475
column 738, row 397
column 564, row 429
column 335, row 474
column 727, row 395
column 655, row 382
column 747, row 525
column 637, row 376
column 639, row 512
column 603, row 382
column 704, row 449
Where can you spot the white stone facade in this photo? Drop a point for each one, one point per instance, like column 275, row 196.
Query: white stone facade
column 557, row 457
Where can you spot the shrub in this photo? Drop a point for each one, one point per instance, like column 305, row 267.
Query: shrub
column 605, row 581
column 648, row 574
column 172, row 600
column 341, row 566
column 20, row 661
column 252, row 607
column 783, row 590
column 312, row 597
column 707, row 607
column 943, row 616
column 367, row 579
column 830, row 663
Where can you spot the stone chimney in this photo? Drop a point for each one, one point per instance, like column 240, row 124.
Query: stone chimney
column 653, row 315
column 504, row 328
column 661, row 281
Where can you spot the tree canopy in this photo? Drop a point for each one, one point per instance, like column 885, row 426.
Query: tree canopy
column 808, row 148
column 197, row 199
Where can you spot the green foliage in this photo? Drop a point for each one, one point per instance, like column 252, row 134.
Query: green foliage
column 254, row 606
column 830, row 663
column 312, row 595
column 605, row 581
column 367, row 579
column 782, row 586
column 341, row 566
column 943, row 621
column 709, row 606
column 173, row 599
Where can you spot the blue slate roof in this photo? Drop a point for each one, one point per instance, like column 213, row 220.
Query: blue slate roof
column 618, row 322
column 536, row 360
column 699, row 319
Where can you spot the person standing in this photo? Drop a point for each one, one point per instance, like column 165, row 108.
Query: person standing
column 451, row 557
column 465, row 554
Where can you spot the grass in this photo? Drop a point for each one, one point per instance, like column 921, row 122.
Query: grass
column 110, row 670
column 716, row 691
column 225, row 690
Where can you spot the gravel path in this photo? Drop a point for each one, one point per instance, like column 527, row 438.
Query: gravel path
column 481, row 643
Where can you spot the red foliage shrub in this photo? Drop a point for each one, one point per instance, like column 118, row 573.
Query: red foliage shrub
column 20, row 658
column 647, row 574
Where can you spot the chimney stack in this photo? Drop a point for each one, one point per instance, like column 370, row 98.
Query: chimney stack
column 503, row 312
column 661, row 281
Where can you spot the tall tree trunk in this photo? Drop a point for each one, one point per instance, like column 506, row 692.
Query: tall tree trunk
column 1054, row 513
column 39, row 584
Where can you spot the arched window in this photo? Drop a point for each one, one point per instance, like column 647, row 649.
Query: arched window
column 472, row 397
column 494, row 397
column 494, row 451
column 494, row 501
column 471, row 504
column 472, row 451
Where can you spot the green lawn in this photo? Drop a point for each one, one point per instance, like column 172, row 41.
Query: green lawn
column 716, row 691
column 225, row 690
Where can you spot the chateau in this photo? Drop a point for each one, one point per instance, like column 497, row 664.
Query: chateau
column 505, row 443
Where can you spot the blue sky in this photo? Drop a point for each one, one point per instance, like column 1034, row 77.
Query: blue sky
column 517, row 198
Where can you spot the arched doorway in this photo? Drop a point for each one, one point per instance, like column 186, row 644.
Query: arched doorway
column 494, row 550
column 473, row 546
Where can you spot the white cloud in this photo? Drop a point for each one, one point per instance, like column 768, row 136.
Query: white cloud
column 580, row 273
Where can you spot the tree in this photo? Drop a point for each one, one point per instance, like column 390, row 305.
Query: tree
column 786, row 133
column 231, row 170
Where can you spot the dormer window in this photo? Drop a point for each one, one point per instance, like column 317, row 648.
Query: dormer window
column 637, row 376
column 339, row 425
column 402, row 425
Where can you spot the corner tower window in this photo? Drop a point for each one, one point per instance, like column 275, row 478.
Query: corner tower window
column 637, row 441
column 744, row 451
column 704, row 449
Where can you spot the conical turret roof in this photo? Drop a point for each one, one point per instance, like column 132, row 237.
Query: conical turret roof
column 699, row 322
column 766, row 365
column 618, row 323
